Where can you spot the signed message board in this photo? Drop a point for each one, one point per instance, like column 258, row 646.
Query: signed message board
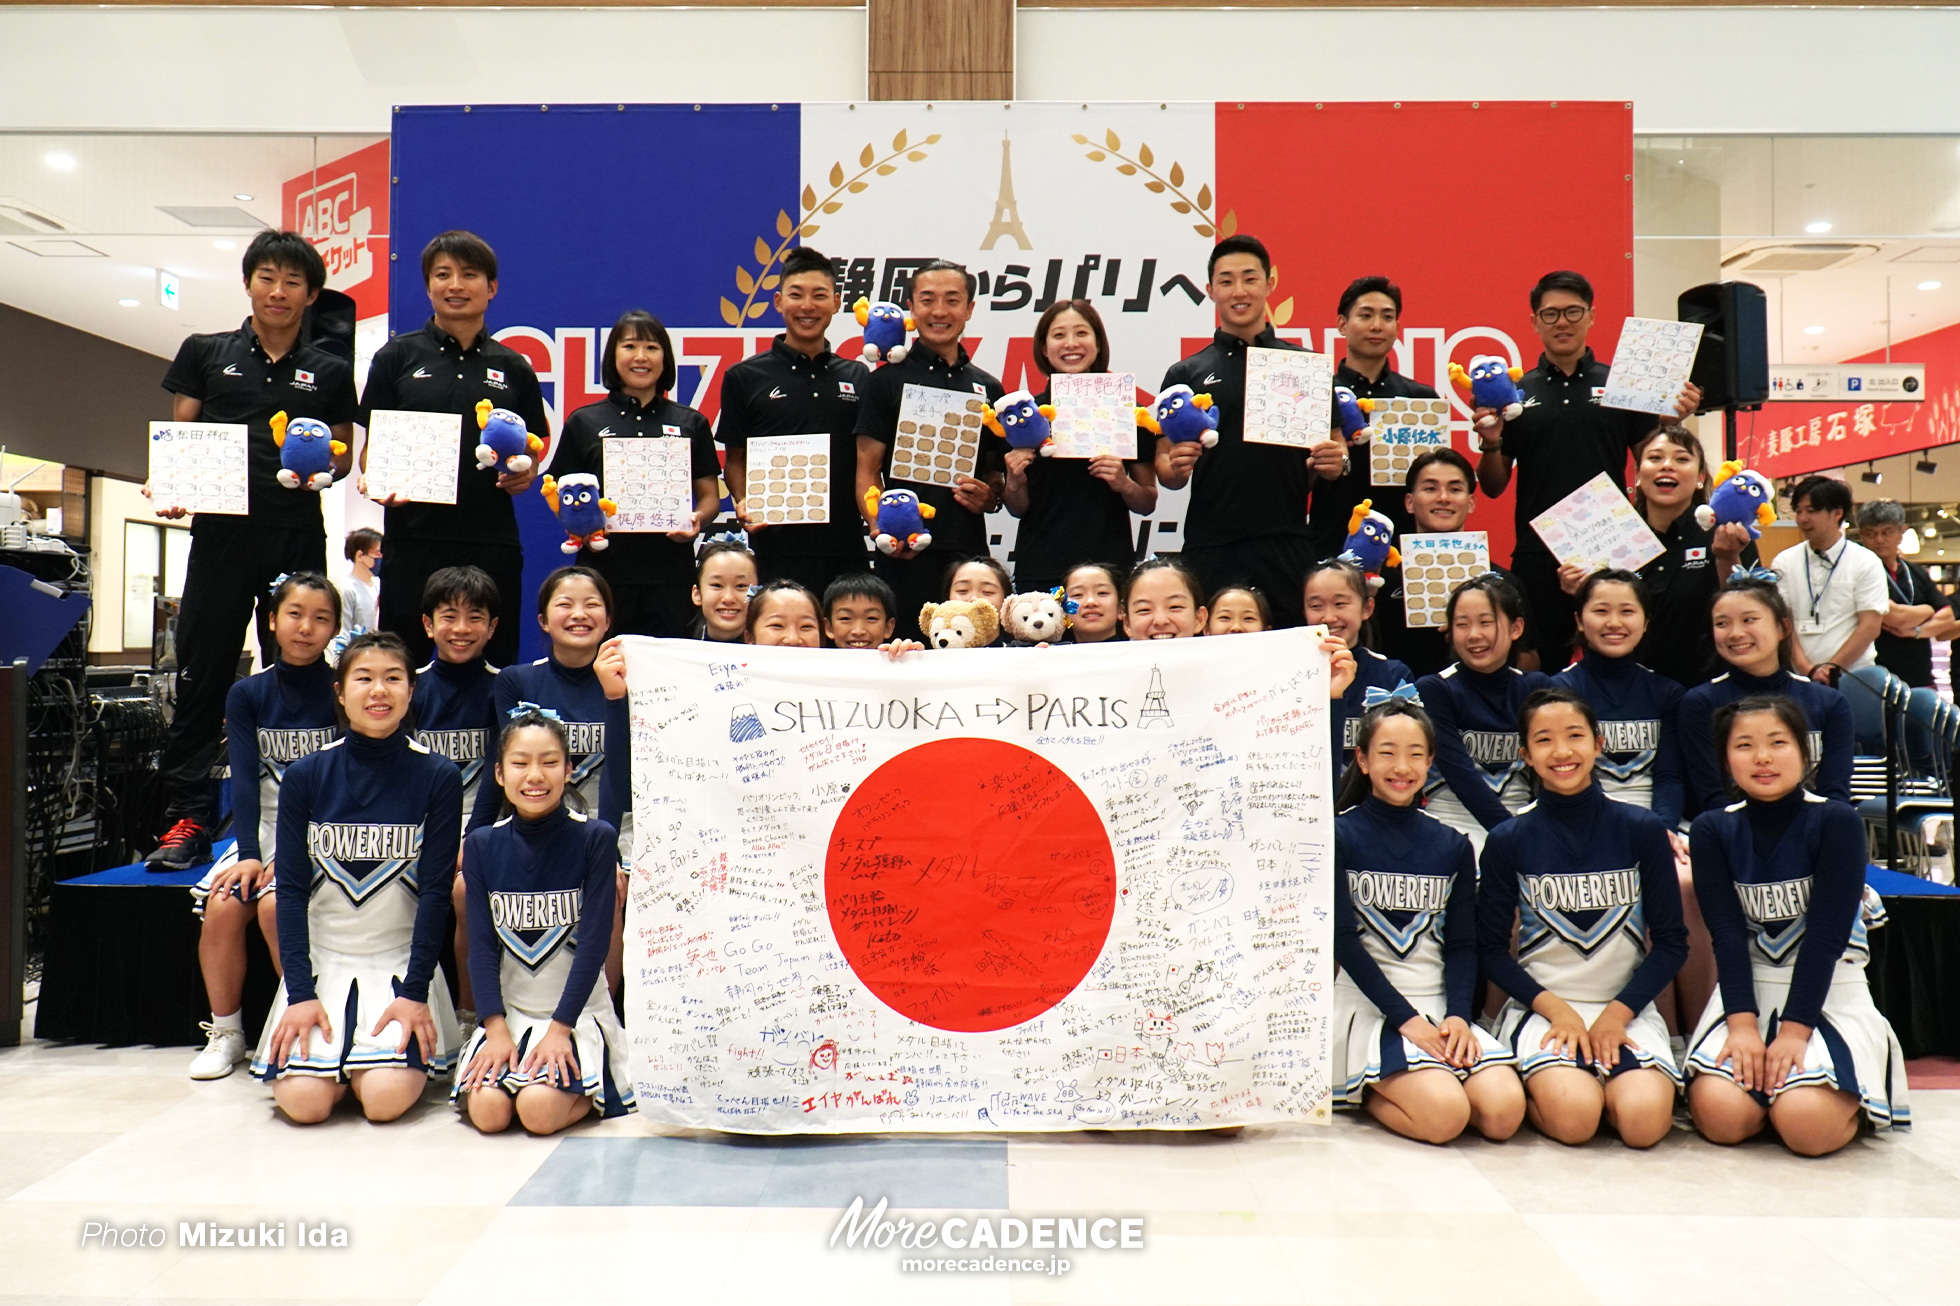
column 1023, row 889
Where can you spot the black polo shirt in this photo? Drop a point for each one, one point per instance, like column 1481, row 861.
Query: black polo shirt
column 787, row 392
column 1333, row 501
column 1239, row 491
column 1072, row 517
column 231, row 376
column 1911, row 660
column 636, row 557
column 954, row 529
column 427, row 371
column 1564, row 438
column 1425, row 650
column 1681, row 585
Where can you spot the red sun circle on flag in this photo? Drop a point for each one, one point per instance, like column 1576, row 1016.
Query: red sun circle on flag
column 970, row 884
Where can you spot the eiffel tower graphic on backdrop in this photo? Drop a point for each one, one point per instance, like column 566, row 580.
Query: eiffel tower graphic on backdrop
column 1155, row 711
column 1007, row 216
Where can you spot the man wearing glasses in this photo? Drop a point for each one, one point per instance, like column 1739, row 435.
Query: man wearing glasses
column 1563, row 439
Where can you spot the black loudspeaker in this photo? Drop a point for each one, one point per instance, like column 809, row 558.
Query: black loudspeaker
column 330, row 323
column 1732, row 365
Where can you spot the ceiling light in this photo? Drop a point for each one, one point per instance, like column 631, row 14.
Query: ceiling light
column 1817, row 228
column 1909, row 542
column 242, row 196
column 1871, row 475
column 1926, row 465
column 224, row 244
column 129, row 303
column 61, row 161
column 1929, row 285
column 1813, row 330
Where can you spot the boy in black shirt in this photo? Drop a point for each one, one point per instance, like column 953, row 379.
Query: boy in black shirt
column 446, row 367
column 244, row 376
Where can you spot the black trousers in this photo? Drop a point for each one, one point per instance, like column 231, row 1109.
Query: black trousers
column 814, row 571
column 234, row 562
column 410, row 564
column 666, row 611
column 1553, row 617
column 1277, row 564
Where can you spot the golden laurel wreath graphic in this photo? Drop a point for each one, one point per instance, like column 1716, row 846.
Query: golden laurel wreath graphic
column 766, row 279
column 1172, row 181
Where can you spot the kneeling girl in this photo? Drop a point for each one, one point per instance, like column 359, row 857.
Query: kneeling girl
column 1405, row 935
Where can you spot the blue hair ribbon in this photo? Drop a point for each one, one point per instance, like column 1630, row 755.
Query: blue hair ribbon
column 1376, row 696
column 533, row 709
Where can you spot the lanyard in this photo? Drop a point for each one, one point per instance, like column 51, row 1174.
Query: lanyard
column 1817, row 595
column 1905, row 570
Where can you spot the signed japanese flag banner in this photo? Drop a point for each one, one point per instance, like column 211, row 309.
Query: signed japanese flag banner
column 993, row 888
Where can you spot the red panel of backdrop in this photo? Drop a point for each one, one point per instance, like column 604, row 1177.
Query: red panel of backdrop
column 1464, row 206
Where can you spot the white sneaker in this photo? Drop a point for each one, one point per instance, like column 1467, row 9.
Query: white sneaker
column 221, row 1054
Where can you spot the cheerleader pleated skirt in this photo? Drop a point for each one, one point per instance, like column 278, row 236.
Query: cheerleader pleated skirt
column 1366, row 1050
column 355, row 990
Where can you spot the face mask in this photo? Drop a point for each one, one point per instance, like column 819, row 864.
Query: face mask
column 374, row 566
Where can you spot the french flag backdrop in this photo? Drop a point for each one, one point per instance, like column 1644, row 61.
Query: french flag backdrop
column 687, row 210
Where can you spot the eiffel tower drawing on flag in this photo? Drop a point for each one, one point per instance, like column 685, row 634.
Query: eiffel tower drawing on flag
column 1007, row 215
column 1155, row 712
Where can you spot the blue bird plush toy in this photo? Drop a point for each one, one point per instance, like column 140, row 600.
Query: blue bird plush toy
column 306, row 452
column 1354, row 415
column 581, row 510
column 1180, row 416
column 1741, row 496
column 1492, row 383
column 1023, row 423
column 886, row 326
column 506, row 445
column 1370, row 542
column 901, row 520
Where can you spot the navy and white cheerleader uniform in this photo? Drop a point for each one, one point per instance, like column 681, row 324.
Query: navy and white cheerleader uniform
column 1824, row 708
column 455, row 717
column 1592, row 885
column 1479, row 778
column 540, row 897
column 1371, row 671
column 1638, row 715
column 1780, row 885
column 592, row 788
column 367, row 854
column 272, row 720
column 1405, row 935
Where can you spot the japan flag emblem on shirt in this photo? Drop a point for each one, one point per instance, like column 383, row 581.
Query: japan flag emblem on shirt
column 493, row 376
column 304, row 378
column 1696, row 555
column 846, row 388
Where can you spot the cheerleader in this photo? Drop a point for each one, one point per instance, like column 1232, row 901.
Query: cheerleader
column 1337, row 596
column 1781, row 878
column 575, row 612
column 1239, row 610
column 722, row 581
column 540, row 885
column 1163, row 600
column 1754, row 636
column 1641, row 763
column 1096, row 588
column 783, row 614
column 1405, row 935
column 1588, row 886
column 367, row 850
column 272, row 720
column 1479, row 778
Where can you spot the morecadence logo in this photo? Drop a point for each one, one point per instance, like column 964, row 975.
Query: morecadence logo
column 879, row 1229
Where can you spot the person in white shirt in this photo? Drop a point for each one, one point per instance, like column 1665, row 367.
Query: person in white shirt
column 1835, row 587
column 360, row 597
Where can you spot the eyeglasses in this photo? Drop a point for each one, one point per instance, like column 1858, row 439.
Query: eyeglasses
column 1571, row 313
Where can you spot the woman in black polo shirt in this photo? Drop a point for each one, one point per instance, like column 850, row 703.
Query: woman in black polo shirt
column 651, row 574
column 1074, row 510
column 1670, row 482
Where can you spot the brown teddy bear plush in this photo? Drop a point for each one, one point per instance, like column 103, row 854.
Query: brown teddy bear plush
column 958, row 623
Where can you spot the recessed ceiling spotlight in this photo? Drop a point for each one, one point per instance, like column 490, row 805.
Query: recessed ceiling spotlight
column 61, row 161
column 224, row 244
column 1929, row 285
column 1813, row 330
column 1817, row 228
column 129, row 303
column 241, row 195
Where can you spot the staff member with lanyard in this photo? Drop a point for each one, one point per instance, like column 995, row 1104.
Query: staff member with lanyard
column 1904, row 645
column 1835, row 587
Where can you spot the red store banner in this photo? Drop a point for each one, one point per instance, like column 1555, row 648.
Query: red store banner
column 342, row 207
column 1786, row 440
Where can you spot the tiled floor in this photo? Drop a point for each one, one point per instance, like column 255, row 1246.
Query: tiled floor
column 618, row 1214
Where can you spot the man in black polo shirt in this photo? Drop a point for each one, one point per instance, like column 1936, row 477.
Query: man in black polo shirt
column 1369, row 319
column 1904, row 646
column 1563, row 439
column 1246, row 520
column 800, row 388
column 244, row 376
column 940, row 298
column 446, row 367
